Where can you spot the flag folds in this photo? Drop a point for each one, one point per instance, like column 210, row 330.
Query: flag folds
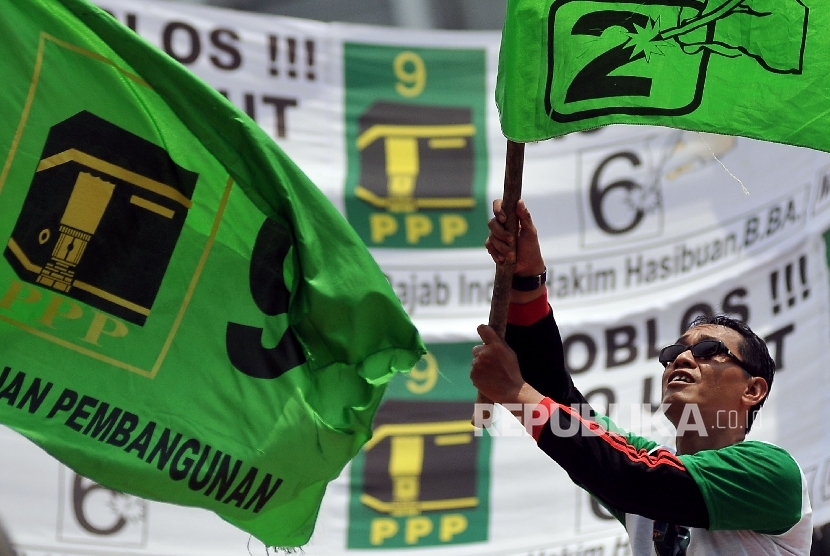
column 755, row 68
column 184, row 316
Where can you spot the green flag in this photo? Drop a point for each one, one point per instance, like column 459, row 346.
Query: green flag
column 757, row 68
column 183, row 315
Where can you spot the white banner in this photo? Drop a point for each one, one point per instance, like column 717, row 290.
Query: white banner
column 642, row 228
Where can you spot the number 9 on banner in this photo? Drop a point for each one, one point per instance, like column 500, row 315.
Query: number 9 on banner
column 411, row 73
column 424, row 375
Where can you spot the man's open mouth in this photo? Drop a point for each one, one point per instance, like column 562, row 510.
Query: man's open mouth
column 680, row 376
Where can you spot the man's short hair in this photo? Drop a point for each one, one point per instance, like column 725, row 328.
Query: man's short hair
column 754, row 354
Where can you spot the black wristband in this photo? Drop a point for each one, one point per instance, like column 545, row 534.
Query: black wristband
column 529, row 283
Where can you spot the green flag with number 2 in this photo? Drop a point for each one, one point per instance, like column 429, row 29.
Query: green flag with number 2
column 756, row 68
column 183, row 315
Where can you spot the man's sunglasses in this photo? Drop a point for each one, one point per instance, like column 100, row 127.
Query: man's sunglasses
column 702, row 349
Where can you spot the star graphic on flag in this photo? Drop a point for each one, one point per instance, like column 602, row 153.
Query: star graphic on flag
column 646, row 39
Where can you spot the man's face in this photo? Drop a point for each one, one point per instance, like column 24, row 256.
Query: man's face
column 714, row 383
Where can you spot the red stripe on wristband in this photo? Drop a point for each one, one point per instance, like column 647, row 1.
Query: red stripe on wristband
column 525, row 314
column 546, row 408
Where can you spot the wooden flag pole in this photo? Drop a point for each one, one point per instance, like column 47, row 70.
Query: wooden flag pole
column 502, row 284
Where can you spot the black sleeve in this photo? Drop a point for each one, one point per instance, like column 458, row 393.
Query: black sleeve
column 652, row 484
column 541, row 358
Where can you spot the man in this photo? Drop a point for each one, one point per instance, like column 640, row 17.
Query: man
column 719, row 494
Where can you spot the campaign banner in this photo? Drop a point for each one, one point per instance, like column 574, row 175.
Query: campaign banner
column 642, row 228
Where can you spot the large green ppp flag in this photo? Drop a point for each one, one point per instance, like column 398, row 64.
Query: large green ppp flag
column 183, row 315
column 757, row 68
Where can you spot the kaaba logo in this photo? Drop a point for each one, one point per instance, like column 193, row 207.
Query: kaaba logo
column 102, row 217
column 421, row 458
column 415, row 157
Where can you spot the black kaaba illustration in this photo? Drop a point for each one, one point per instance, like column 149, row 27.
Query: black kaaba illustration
column 416, row 157
column 102, row 217
column 423, row 458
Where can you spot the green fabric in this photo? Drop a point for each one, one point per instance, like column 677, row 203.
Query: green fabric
column 750, row 485
column 738, row 67
column 183, row 315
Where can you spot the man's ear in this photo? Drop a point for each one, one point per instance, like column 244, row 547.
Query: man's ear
column 756, row 390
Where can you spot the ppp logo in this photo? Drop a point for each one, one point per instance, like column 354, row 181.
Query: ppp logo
column 94, row 514
column 416, row 144
column 423, row 478
column 97, row 186
column 620, row 195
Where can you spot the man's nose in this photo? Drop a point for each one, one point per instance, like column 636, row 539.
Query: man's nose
column 685, row 359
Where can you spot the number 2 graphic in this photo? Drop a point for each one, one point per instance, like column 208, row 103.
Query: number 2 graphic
column 595, row 81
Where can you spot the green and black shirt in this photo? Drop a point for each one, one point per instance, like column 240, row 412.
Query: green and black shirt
column 746, row 499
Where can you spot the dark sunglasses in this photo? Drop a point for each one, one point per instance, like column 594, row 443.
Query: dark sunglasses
column 670, row 540
column 702, row 349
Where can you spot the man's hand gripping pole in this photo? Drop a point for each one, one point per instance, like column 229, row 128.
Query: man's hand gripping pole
column 514, row 163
